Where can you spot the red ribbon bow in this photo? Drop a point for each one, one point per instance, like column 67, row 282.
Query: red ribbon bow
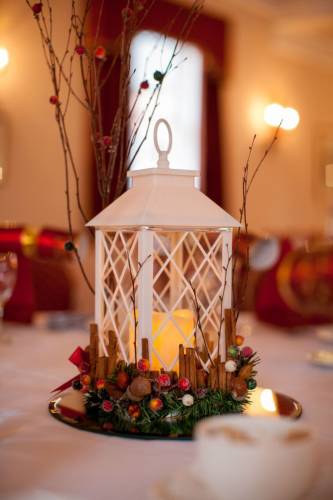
column 80, row 359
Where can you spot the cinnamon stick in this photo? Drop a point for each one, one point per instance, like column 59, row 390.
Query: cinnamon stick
column 222, row 376
column 93, row 350
column 112, row 352
column 193, row 370
column 212, row 378
column 181, row 361
column 230, row 329
column 145, row 348
column 201, row 378
column 102, row 367
column 187, row 364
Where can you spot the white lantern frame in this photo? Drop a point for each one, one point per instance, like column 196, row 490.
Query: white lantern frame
column 143, row 227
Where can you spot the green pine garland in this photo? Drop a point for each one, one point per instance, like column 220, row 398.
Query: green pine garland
column 174, row 418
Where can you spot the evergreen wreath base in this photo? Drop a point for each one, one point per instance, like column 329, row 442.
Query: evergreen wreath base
column 174, row 419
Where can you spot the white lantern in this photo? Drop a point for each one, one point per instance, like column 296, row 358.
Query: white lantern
column 183, row 241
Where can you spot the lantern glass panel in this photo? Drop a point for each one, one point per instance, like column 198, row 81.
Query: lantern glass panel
column 181, row 261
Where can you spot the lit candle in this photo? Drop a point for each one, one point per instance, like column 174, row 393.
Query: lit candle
column 166, row 337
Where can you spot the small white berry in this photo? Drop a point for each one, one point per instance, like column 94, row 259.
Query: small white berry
column 230, row 366
column 187, row 400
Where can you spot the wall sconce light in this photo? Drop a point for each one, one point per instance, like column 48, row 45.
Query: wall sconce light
column 4, row 58
column 274, row 114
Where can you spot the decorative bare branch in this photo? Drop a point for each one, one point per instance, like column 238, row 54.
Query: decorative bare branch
column 83, row 54
column 247, row 182
column 221, row 298
column 198, row 325
column 133, row 278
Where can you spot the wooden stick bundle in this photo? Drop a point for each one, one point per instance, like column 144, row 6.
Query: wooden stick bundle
column 182, row 369
column 112, row 352
column 93, row 349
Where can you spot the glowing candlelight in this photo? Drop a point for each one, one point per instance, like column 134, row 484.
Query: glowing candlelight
column 167, row 337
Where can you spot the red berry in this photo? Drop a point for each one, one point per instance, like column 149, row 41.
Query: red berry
column 37, row 8
column 107, row 406
column 107, row 140
column 79, row 49
column 246, row 352
column 184, row 384
column 143, row 365
column 144, row 85
column 134, row 410
column 100, row 52
column 164, row 380
column 54, row 99
column 122, row 380
column 100, row 383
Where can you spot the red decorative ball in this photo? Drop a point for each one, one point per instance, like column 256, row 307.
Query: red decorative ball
column 164, row 380
column 107, row 406
column 100, row 383
column 80, row 50
column 37, row 8
column 100, row 52
column 184, row 384
column 134, row 410
column 54, row 99
column 155, row 404
column 246, row 352
column 122, row 380
column 143, row 365
column 144, row 85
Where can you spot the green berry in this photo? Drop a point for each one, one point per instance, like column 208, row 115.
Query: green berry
column 69, row 246
column 233, row 351
column 158, row 76
column 251, row 384
column 77, row 386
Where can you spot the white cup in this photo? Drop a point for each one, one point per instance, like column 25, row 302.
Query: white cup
column 255, row 458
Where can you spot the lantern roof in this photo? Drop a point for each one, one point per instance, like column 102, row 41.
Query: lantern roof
column 162, row 197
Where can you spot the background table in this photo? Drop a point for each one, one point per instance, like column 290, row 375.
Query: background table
column 42, row 459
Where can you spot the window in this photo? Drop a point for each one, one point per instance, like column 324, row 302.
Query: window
column 180, row 101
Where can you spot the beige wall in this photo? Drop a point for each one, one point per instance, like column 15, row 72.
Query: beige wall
column 34, row 182
column 264, row 67
column 284, row 197
column 33, row 187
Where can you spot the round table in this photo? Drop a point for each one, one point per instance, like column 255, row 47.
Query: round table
column 43, row 459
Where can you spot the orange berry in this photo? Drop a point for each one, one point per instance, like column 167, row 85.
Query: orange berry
column 85, row 379
column 155, row 404
column 239, row 340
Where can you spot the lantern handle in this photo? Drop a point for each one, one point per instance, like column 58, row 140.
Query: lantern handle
column 163, row 161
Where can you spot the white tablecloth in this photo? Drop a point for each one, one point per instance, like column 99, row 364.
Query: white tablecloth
column 44, row 459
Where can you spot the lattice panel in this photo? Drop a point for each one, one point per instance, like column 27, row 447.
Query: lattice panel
column 119, row 249
column 178, row 260
column 181, row 258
